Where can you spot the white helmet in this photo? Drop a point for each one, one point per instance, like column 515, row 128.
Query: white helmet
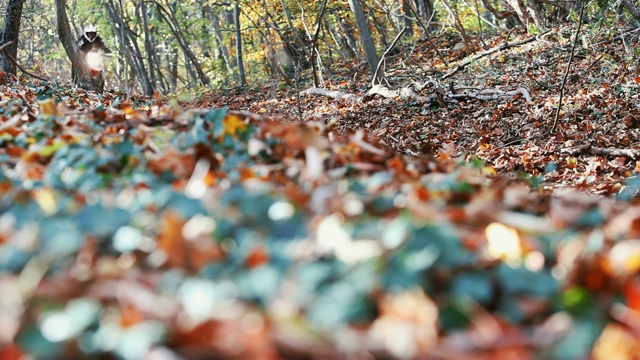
column 90, row 33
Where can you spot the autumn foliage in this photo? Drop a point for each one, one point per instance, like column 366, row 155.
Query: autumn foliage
column 143, row 228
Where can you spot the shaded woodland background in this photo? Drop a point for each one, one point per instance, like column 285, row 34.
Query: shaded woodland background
column 172, row 46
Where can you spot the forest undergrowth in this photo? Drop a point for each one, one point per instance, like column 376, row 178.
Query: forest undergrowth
column 598, row 119
column 450, row 222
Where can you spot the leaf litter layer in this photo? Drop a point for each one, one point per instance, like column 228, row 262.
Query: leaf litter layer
column 136, row 228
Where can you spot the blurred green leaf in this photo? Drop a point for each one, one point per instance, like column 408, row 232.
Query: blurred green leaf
column 520, row 280
column 476, row 285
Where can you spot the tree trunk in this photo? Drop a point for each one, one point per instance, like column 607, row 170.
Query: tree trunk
column 130, row 46
column 148, row 46
column 164, row 82
column 521, row 12
column 343, row 47
column 632, row 9
column 172, row 61
column 534, row 8
column 427, row 12
column 236, row 21
column 365, row 35
column 295, row 32
column 184, row 45
column 11, row 33
column 396, row 14
column 316, row 60
column 64, row 32
column 406, row 10
column 348, row 37
column 217, row 31
column 453, row 14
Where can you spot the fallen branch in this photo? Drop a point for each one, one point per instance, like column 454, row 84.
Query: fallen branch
column 334, row 94
column 491, row 94
column 594, row 150
column 402, row 93
column 441, row 96
column 496, row 49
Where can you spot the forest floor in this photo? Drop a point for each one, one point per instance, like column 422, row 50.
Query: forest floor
column 598, row 123
column 447, row 223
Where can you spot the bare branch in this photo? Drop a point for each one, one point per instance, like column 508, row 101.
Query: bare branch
column 496, row 49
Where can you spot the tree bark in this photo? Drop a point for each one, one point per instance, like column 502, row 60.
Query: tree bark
column 148, row 46
column 130, row 47
column 632, row 9
column 11, row 33
column 406, row 11
column 184, row 45
column 346, row 34
column 236, row 21
column 64, row 32
column 365, row 35
column 224, row 51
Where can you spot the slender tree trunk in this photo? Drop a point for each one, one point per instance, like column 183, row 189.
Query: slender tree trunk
column 343, row 48
column 172, row 61
column 11, row 33
column 164, row 82
column 236, row 21
column 406, row 11
column 426, row 11
column 365, row 35
column 130, row 47
column 316, row 60
column 396, row 14
column 64, row 32
column 456, row 22
column 346, row 30
column 148, row 46
column 382, row 30
column 294, row 31
column 217, row 31
column 632, row 9
column 184, row 45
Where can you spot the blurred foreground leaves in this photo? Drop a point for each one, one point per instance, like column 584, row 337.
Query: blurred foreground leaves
column 131, row 228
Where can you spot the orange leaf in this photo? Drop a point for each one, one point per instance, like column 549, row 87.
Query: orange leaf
column 170, row 238
column 179, row 164
column 11, row 352
column 632, row 294
column 246, row 173
column 130, row 315
column 257, row 257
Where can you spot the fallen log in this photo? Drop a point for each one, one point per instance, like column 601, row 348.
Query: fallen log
column 595, row 150
column 440, row 97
